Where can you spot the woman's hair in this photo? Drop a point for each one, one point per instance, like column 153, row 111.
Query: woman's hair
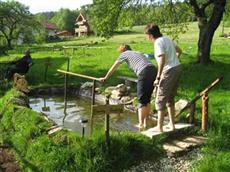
column 153, row 29
column 124, row 47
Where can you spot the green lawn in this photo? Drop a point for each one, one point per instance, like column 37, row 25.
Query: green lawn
column 96, row 62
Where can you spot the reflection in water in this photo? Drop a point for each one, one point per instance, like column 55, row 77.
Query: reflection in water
column 78, row 108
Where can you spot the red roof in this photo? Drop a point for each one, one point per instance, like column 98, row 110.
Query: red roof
column 50, row 26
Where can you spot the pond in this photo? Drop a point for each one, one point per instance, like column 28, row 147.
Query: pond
column 78, row 108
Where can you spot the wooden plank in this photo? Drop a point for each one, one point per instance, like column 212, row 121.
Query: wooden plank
column 178, row 146
column 107, row 108
column 152, row 131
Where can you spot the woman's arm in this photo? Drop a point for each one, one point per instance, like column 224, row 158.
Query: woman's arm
column 111, row 71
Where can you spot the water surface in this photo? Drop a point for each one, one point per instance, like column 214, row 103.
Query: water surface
column 78, row 108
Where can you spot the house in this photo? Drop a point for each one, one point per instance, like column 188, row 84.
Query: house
column 51, row 29
column 64, row 34
column 82, row 26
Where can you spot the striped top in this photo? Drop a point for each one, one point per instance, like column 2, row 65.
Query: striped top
column 135, row 60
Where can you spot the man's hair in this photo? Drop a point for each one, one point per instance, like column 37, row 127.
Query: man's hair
column 27, row 52
column 153, row 29
column 125, row 47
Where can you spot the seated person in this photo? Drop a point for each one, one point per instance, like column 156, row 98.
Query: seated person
column 20, row 66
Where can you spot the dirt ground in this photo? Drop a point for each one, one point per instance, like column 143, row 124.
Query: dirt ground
column 7, row 161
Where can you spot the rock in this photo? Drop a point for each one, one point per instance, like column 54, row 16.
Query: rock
column 20, row 83
column 86, row 85
column 97, row 89
column 85, row 93
column 122, row 88
column 110, row 89
column 125, row 99
column 116, row 94
column 19, row 102
column 133, row 94
column 179, row 105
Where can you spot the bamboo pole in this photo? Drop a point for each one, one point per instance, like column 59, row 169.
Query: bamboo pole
column 80, row 75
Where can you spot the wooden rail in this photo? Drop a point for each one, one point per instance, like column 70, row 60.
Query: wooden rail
column 204, row 92
column 80, row 75
column 93, row 91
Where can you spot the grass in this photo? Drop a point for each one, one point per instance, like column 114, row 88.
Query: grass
column 25, row 131
column 96, row 62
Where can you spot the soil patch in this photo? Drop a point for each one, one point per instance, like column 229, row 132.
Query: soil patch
column 7, row 161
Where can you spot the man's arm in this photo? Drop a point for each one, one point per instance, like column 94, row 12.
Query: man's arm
column 161, row 64
column 111, row 70
column 178, row 51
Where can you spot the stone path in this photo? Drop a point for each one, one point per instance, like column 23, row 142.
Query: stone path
column 180, row 156
column 169, row 164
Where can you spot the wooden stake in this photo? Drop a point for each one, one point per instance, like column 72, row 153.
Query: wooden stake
column 92, row 103
column 204, row 126
column 192, row 112
column 65, row 93
column 107, row 139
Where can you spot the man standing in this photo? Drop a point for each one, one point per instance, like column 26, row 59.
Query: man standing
column 145, row 72
column 20, row 66
column 169, row 70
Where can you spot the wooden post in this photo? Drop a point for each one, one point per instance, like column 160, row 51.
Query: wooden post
column 92, row 103
column 47, row 65
column 65, row 92
column 204, row 126
column 46, row 69
column 192, row 112
column 107, row 140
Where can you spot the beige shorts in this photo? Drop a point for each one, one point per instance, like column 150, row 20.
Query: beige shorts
column 167, row 88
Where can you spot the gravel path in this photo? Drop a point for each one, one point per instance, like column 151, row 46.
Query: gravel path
column 169, row 164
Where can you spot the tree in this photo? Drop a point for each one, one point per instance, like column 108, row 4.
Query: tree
column 226, row 17
column 108, row 15
column 13, row 17
column 209, row 13
column 65, row 19
column 207, row 25
column 104, row 16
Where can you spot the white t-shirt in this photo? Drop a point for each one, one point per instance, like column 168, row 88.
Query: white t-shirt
column 164, row 45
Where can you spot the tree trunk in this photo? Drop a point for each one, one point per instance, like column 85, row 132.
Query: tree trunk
column 204, row 44
column 9, row 44
column 207, row 30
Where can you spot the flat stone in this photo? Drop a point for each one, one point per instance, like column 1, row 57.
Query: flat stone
column 182, row 145
column 152, row 131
